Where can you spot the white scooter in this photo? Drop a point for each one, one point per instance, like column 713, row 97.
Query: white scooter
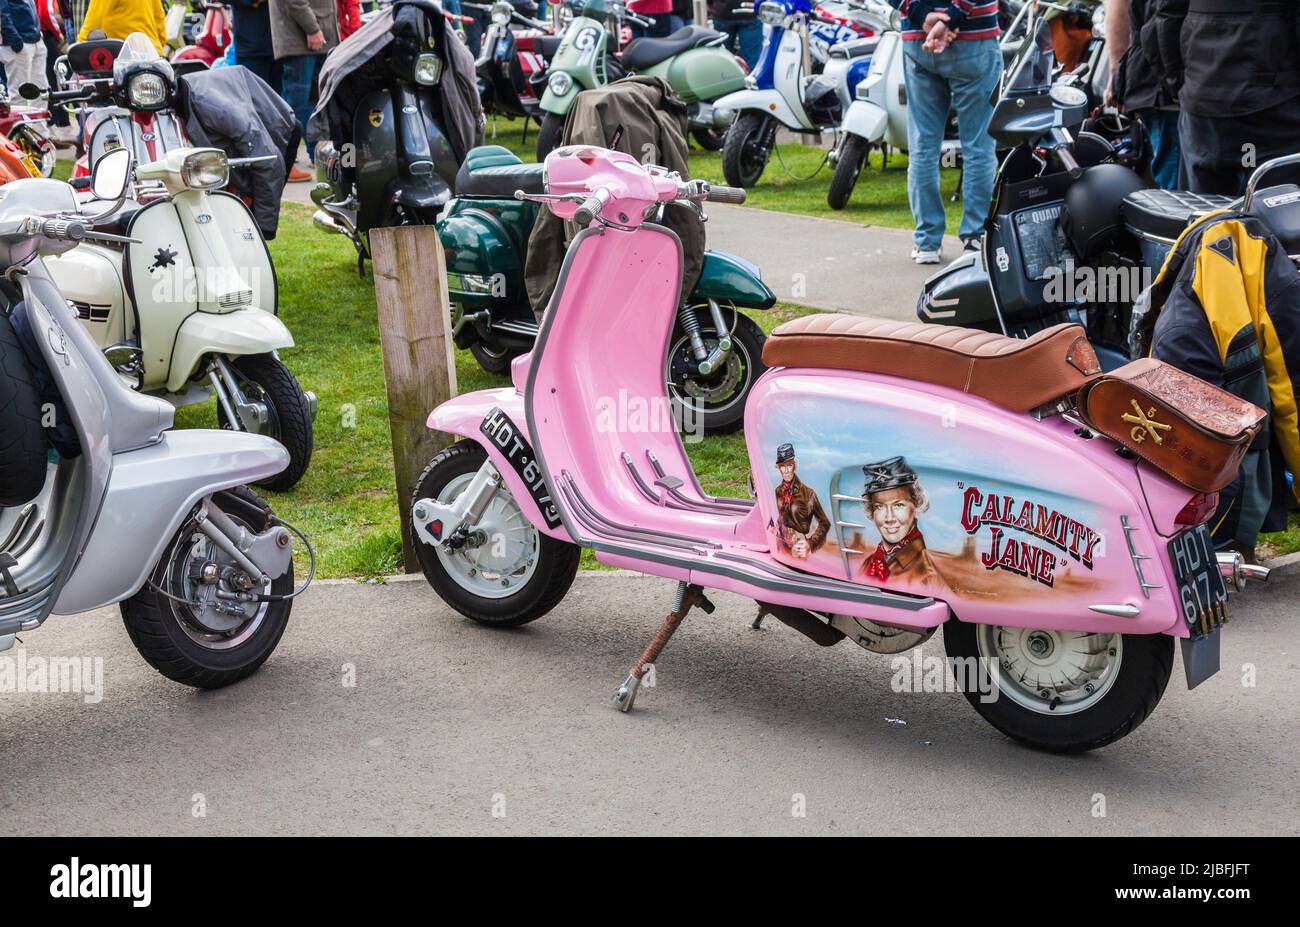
column 189, row 308
column 99, row 502
column 782, row 91
column 877, row 116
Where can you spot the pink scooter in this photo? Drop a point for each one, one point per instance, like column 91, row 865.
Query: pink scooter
column 904, row 477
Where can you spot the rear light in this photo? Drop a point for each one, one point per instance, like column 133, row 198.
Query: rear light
column 1198, row 509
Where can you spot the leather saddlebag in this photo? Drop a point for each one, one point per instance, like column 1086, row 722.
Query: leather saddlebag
column 1193, row 431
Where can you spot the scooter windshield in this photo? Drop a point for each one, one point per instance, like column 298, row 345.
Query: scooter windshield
column 136, row 49
column 1031, row 72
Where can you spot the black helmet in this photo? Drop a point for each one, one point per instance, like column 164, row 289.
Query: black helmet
column 1092, row 207
column 1126, row 135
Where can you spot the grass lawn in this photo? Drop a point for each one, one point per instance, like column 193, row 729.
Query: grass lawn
column 796, row 180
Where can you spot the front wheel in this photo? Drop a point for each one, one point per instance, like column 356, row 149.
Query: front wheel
column 714, row 403
column 744, row 151
column 264, row 378
column 853, row 154
column 1060, row 691
column 508, row 573
column 181, row 622
column 548, row 136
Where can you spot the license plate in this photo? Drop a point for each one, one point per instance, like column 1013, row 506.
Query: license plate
column 1199, row 587
column 512, row 441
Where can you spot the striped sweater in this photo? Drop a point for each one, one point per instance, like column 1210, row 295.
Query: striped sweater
column 975, row 19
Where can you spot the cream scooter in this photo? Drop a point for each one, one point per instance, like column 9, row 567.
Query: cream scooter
column 189, row 307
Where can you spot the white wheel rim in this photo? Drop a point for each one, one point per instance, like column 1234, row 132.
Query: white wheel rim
column 1052, row 672
column 506, row 557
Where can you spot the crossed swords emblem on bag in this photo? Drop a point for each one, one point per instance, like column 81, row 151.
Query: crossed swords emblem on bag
column 1145, row 424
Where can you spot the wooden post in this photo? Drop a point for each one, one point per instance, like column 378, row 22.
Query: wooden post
column 419, row 359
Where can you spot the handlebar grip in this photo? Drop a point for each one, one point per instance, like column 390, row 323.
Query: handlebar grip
column 718, row 194
column 1071, row 166
column 63, row 230
column 589, row 209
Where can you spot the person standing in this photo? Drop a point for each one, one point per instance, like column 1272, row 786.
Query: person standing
column 349, row 18
column 951, row 60
column 22, row 37
column 744, row 33
column 1133, row 88
column 302, row 33
column 1233, row 67
column 252, row 32
column 117, row 19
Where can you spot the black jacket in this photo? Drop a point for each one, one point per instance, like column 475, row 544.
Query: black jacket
column 1135, row 84
column 1226, row 307
column 1224, row 57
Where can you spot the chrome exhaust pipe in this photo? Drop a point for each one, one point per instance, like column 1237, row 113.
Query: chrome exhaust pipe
column 323, row 220
column 1236, row 572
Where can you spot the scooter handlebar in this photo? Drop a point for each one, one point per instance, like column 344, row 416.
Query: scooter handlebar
column 591, row 208
column 726, row 195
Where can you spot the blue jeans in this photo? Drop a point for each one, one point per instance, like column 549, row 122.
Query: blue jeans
column 962, row 77
column 295, row 87
column 744, row 38
column 1166, row 152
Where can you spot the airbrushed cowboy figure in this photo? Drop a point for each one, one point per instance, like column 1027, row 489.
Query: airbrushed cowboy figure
column 893, row 498
column 802, row 523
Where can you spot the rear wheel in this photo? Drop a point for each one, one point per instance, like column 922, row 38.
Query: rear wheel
column 1061, row 691
column 22, row 437
column 38, row 147
column 511, row 573
column 744, row 152
column 179, row 624
column 853, row 154
column 714, row 402
column 548, row 136
column 709, row 139
column 494, row 358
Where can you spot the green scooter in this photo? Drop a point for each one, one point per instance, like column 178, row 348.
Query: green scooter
column 716, row 352
column 692, row 60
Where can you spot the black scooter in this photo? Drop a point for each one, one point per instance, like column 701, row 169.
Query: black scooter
column 1073, row 235
column 389, row 160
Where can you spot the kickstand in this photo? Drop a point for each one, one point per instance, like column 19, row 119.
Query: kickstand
column 687, row 598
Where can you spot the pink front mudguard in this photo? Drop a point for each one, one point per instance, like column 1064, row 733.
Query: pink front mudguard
column 509, row 447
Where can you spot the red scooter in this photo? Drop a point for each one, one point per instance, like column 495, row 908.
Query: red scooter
column 28, row 127
column 212, row 39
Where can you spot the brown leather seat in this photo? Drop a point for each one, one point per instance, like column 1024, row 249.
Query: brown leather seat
column 1020, row 374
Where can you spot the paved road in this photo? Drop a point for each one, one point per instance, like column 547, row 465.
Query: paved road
column 823, row 263
column 445, row 715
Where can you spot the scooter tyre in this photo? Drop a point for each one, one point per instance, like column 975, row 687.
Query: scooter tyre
column 557, row 560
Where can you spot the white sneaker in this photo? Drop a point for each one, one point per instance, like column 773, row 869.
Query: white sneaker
column 925, row 257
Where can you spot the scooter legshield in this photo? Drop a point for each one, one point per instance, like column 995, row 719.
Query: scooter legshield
column 151, row 491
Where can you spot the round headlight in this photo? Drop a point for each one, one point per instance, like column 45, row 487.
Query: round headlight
column 559, row 83
column 428, row 68
column 146, row 90
column 771, row 13
column 206, row 169
column 501, row 14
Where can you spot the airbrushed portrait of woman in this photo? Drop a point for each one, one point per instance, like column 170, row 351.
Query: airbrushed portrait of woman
column 893, row 498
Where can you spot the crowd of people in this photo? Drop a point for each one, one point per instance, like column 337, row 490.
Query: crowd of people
column 1214, row 84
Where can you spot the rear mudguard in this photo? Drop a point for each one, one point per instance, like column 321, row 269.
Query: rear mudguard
column 242, row 332
column 464, row 416
column 960, row 295
column 151, row 491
